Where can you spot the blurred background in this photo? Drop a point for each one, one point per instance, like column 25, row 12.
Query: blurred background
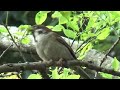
column 17, row 18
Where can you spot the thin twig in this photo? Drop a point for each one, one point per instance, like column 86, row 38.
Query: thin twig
column 87, row 41
column 72, row 42
column 5, row 25
column 6, row 18
column 109, row 51
column 81, row 45
column 24, row 35
column 5, row 51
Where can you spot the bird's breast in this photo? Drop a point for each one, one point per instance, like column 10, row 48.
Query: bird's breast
column 50, row 48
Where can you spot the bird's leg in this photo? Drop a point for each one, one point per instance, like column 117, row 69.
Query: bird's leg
column 62, row 63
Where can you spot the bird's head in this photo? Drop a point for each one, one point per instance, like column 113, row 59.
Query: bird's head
column 39, row 29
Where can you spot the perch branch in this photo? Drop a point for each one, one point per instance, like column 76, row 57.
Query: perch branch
column 12, row 67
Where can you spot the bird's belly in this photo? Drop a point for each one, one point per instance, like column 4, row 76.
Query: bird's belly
column 56, row 51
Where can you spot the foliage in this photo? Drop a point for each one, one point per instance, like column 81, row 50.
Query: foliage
column 79, row 26
column 115, row 64
column 64, row 75
column 35, row 76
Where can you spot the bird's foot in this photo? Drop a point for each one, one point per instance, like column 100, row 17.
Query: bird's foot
column 62, row 62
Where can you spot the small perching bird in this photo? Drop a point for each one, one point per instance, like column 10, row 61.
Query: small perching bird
column 51, row 46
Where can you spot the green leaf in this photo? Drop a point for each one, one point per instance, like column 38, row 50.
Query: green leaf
column 65, row 72
column 58, row 28
column 55, row 74
column 73, row 25
column 40, row 17
column 61, row 16
column 62, row 20
column 50, row 27
column 66, row 14
column 91, row 23
column 19, row 33
column 115, row 64
column 65, row 75
column 26, row 40
column 105, row 75
column 103, row 34
column 56, row 14
column 69, row 33
column 85, row 36
column 22, row 27
column 35, row 76
column 84, row 50
column 115, row 14
column 3, row 29
column 73, row 77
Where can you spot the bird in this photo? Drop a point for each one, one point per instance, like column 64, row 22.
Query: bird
column 51, row 46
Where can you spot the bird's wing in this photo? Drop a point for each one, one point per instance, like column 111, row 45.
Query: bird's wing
column 61, row 40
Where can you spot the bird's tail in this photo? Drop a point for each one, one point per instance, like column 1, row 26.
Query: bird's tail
column 81, row 72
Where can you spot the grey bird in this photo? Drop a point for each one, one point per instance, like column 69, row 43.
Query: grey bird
column 51, row 46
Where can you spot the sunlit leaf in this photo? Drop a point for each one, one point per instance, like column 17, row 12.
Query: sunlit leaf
column 3, row 29
column 65, row 75
column 84, row 50
column 85, row 36
column 103, row 34
column 69, row 33
column 35, row 76
column 40, row 17
column 55, row 74
column 73, row 25
column 19, row 33
column 56, row 14
column 105, row 75
column 50, row 27
column 91, row 23
column 66, row 14
column 115, row 64
column 58, row 28
column 73, row 77
column 26, row 40
column 62, row 20
column 22, row 27
column 11, row 77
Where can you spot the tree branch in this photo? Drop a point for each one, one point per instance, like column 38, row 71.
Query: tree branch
column 12, row 67
column 109, row 51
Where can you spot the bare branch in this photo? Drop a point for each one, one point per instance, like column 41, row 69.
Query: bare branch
column 12, row 67
column 5, row 51
column 15, row 43
column 112, row 47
